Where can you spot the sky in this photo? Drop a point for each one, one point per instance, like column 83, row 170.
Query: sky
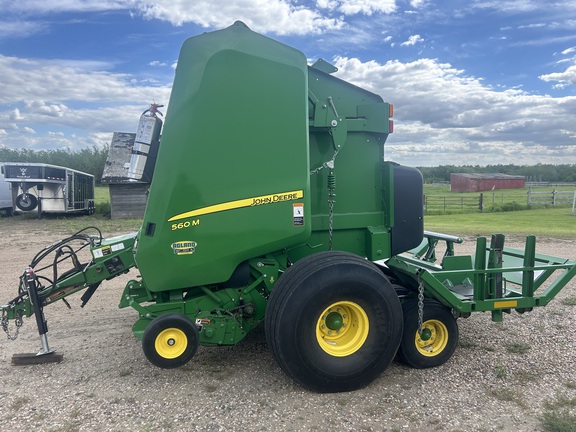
column 476, row 82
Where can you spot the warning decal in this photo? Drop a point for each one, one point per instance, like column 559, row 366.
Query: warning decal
column 298, row 210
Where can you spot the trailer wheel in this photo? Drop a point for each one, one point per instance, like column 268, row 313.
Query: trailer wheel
column 90, row 210
column 439, row 337
column 333, row 322
column 26, row 202
column 170, row 341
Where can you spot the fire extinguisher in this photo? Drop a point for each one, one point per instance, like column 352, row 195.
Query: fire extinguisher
column 146, row 145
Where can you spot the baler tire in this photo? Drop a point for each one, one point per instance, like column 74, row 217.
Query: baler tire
column 312, row 297
column 438, row 319
column 26, row 202
column 170, row 341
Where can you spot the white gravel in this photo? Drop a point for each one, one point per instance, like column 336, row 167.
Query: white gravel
column 106, row 384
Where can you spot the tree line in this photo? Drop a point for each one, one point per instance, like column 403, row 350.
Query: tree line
column 565, row 173
column 93, row 159
column 90, row 160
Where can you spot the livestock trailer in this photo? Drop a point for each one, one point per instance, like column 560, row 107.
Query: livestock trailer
column 49, row 188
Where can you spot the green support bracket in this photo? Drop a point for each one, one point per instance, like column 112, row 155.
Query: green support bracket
column 479, row 266
column 529, row 262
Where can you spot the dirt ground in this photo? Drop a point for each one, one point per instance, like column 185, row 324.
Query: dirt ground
column 105, row 383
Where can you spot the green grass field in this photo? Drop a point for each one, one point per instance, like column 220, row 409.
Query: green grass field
column 549, row 222
column 538, row 220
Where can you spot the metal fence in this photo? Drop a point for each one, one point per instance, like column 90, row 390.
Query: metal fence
column 498, row 201
column 448, row 204
column 551, row 198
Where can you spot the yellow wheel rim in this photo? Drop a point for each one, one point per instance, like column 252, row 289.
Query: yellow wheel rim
column 171, row 343
column 342, row 328
column 433, row 339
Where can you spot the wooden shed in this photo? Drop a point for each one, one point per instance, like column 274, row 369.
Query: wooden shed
column 464, row 182
column 127, row 197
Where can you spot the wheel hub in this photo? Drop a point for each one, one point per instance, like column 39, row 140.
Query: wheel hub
column 432, row 339
column 342, row 328
column 334, row 321
column 426, row 334
column 171, row 343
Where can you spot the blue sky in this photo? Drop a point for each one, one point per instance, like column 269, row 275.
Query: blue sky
column 473, row 82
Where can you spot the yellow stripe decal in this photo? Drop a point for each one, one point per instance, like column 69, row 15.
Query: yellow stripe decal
column 246, row 202
column 505, row 304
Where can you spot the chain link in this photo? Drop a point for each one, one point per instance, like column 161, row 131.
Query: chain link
column 18, row 321
column 328, row 164
column 331, row 187
column 420, row 307
column 330, row 222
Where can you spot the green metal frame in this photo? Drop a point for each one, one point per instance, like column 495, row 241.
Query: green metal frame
column 111, row 258
column 470, row 283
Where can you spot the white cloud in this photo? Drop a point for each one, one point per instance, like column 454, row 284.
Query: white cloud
column 509, row 5
column 412, row 40
column 281, row 17
column 25, row 80
column 40, row 107
column 366, row 7
column 441, row 114
column 78, row 97
column 15, row 115
column 20, row 29
column 54, row 6
column 568, row 77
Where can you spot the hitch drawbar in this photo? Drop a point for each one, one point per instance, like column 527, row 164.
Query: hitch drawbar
column 79, row 262
column 46, row 354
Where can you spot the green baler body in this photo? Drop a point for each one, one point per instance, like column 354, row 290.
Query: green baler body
column 244, row 162
column 232, row 163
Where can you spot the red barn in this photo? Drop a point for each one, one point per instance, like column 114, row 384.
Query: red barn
column 462, row 182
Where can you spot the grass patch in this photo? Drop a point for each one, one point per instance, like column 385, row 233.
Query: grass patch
column 570, row 301
column 500, row 371
column 518, row 347
column 102, row 200
column 527, row 376
column 559, row 223
column 507, row 395
column 467, row 344
column 559, row 421
column 558, row 415
column 561, row 402
column 210, row 388
column 19, row 402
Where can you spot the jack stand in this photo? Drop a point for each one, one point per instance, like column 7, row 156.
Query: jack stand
column 45, row 355
column 27, row 359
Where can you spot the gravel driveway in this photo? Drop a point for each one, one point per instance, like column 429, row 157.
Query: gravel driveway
column 503, row 377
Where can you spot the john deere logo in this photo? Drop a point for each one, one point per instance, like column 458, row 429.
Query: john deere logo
column 184, row 247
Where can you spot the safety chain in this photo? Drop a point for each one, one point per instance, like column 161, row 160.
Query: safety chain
column 328, row 164
column 331, row 222
column 420, row 307
column 18, row 321
column 331, row 201
column 331, row 187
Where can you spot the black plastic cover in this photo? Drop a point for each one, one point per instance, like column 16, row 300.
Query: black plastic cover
column 408, row 230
